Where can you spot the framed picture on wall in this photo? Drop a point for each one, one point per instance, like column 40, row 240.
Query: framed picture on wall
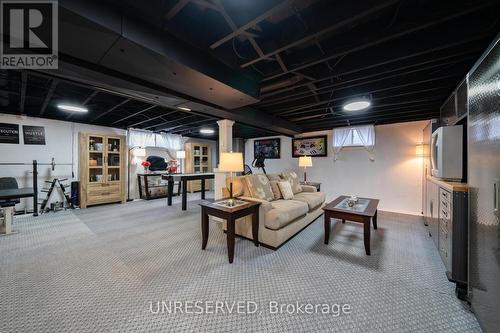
column 315, row 146
column 271, row 148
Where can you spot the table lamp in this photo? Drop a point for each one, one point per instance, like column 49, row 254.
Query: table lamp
column 181, row 155
column 305, row 161
column 231, row 162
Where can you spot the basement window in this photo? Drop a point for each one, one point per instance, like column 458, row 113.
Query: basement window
column 357, row 136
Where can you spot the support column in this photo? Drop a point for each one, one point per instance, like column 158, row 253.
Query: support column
column 225, row 145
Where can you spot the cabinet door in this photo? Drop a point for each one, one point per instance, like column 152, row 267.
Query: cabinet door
column 114, row 159
column 96, row 159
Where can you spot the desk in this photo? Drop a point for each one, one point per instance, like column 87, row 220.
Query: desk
column 184, row 178
column 8, row 206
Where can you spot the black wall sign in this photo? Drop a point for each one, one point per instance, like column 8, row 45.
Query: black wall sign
column 9, row 133
column 34, row 135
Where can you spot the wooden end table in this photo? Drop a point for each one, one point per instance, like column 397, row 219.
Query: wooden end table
column 369, row 213
column 230, row 214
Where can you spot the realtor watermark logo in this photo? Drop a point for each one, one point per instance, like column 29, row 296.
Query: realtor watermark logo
column 29, row 33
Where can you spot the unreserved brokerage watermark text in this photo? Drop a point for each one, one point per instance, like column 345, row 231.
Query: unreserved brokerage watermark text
column 247, row 308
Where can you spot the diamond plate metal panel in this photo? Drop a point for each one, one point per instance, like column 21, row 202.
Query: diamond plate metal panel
column 484, row 168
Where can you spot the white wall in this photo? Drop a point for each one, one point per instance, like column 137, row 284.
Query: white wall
column 61, row 140
column 395, row 177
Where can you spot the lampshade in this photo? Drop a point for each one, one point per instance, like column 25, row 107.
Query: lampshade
column 305, row 161
column 419, row 150
column 231, row 162
column 139, row 152
column 180, row 154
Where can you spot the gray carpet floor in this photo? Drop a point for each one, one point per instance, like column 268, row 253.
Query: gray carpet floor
column 104, row 269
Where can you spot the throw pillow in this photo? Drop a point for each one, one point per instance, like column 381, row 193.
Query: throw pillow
column 286, row 190
column 259, row 187
column 293, row 178
column 276, row 189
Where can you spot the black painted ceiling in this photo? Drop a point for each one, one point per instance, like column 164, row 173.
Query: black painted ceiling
column 309, row 56
column 312, row 55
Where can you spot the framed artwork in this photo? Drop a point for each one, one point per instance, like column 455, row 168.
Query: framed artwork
column 271, row 148
column 315, row 146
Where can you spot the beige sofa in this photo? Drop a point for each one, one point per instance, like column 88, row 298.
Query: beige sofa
column 279, row 219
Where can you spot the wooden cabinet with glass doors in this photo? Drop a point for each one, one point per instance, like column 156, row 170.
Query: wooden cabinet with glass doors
column 198, row 161
column 102, row 169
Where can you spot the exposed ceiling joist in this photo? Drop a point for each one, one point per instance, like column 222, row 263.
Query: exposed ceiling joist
column 85, row 102
column 329, row 29
column 379, row 64
column 241, row 30
column 388, row 37
column 176, row 9
column 111, row 109
column 49, row 95
column 341, row 85
column 134, row 114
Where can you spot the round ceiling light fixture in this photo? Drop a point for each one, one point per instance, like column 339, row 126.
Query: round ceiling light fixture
column 207, row 131
column 72, row 108
column 357, row 104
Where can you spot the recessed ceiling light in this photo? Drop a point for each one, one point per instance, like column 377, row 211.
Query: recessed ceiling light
column 183, row 108
column 357, row 104
column 72, row 108
column 207, row 131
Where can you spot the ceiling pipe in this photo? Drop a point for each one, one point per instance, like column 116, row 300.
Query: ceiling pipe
column 281, row 84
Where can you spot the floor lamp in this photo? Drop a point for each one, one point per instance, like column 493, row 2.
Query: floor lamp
column 305, row 161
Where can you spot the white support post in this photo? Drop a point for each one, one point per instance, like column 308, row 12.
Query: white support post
column 225, row 145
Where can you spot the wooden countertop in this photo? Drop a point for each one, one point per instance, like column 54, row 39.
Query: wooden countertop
column 451, row 186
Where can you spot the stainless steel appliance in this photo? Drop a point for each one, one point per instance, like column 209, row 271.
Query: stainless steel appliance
column 446, row 152
column 484, row 181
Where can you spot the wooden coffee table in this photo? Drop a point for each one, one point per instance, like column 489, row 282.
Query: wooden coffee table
column 230, row 214
column 359, row 213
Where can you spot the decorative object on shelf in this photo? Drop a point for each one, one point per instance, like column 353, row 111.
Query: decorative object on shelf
column 269, row 148
column 304, row 162
column 102, row 170
column 146, row 165
column 315, row 146
column 231, row 162
column 172, row 166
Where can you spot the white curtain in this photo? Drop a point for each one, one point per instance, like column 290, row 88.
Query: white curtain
column 171, row 142
column 138, row 138
column 340, row 136
column 367, row 136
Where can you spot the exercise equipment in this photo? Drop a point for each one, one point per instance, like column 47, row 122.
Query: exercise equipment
column 34, row 165
column 56, row 183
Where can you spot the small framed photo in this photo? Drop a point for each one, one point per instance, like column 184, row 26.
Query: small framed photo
column 270, row 148
column 315, row 146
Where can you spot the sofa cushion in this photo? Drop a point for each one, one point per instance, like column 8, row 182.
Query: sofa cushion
column 312, row 199
column 274, row 176
column 293, row 178
column 276, row 189
column 284, row 212
column 259, row 187
column 286, row 190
